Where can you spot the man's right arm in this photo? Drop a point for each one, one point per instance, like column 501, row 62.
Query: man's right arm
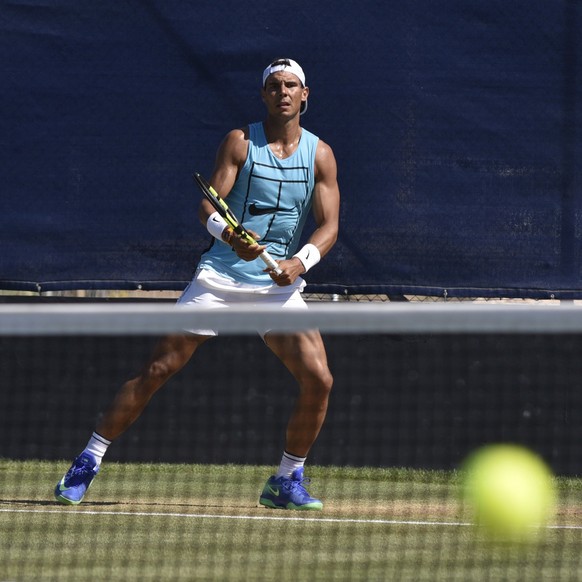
column 230, row 158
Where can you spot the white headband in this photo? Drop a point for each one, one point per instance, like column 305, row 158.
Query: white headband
column 287, row 65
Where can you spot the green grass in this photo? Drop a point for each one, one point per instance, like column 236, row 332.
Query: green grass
column 193, row 522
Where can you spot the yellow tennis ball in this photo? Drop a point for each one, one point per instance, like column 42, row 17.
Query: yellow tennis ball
column 510, row 490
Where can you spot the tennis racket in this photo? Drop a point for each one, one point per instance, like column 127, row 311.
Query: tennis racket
column 222, row 208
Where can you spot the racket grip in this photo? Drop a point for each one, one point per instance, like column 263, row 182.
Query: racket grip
column 270, row 262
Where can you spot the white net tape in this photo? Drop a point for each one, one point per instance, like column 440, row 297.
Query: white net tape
column 392, row 318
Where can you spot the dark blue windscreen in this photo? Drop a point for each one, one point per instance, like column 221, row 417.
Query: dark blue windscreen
column 456, row 126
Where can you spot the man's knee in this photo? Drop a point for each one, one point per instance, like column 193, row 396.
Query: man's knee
column 170, row 357
column 160, row 370
column 327, row 380
column 321, row 381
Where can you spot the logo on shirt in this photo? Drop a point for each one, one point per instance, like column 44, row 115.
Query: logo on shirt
column 256, row 211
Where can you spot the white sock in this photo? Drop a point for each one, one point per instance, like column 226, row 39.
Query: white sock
column 289, row 463
column 97, row 446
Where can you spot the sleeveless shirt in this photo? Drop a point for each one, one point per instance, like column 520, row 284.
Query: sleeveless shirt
column 271, row 197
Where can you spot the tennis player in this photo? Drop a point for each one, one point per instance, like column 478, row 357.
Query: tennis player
column 272, row 174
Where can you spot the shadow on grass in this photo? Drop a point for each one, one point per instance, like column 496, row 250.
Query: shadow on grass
column 121, row 504
column 53, row 503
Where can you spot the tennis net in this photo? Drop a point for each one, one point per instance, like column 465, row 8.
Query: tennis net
column 418, row 388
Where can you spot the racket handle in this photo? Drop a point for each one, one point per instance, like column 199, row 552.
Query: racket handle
column 270, row 262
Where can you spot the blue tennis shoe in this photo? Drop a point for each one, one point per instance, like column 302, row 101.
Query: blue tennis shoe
column 72, row 487
column 289, row 493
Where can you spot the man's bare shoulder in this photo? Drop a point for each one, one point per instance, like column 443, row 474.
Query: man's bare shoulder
column 235, row 144
column 323, row 149
column 236, row 136
column 324, row 158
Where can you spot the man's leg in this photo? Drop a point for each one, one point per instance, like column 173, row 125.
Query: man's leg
column 169, row 356
column 304, row 356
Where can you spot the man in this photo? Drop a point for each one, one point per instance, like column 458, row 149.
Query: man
column 272, row 173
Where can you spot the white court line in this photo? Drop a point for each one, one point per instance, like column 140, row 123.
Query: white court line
column 249, row 517
column 264, row 518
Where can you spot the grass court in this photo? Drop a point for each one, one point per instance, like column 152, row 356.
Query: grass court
column 203, row 522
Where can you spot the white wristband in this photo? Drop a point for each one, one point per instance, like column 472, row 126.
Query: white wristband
column 309, row 255
column 215, row 225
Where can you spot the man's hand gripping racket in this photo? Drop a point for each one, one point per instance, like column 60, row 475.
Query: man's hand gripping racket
column 222, row 208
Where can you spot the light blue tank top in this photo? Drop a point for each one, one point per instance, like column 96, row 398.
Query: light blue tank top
column 271, row 197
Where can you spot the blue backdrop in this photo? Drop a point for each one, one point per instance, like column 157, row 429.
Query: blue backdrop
column 456, row 126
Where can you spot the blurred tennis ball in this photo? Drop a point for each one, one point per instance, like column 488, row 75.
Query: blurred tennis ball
column 510, row 490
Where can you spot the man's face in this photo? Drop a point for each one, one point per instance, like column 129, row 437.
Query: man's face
column 283, row 94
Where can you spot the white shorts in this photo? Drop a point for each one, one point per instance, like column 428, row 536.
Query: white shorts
column 210, row 290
